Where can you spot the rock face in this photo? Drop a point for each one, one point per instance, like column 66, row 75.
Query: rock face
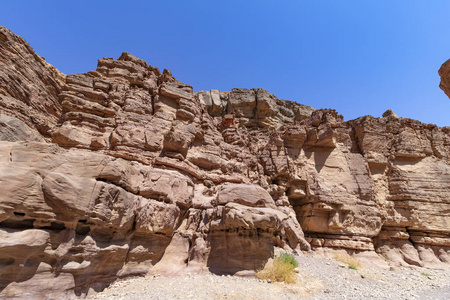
column 29, row 86
column 125, row 170
column 444, row 72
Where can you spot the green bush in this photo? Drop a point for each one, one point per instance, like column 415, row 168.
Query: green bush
column 288, row 258
column 352, row 267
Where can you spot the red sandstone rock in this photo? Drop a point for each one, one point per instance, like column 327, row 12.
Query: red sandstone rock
column 29, row 86
column 143, row 175
column 444, row 72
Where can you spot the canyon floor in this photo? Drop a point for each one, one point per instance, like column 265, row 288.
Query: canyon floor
column 318, row 278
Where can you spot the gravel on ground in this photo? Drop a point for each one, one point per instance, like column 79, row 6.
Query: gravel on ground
column 318, row 278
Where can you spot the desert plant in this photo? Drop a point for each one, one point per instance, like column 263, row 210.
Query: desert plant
column 425, row 274
column 347, row 259
column 281, row 269
column 352, row 267
column 288, row 258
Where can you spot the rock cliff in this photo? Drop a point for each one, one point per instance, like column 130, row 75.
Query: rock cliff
column 444, row 72
column 126, row 171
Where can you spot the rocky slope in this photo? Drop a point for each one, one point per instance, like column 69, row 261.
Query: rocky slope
column 125, row 170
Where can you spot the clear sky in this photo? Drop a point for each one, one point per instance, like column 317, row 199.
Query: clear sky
column 358, row 57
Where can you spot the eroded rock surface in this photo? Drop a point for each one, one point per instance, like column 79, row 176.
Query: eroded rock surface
column 133, row 172
column 29, row 86
column 444, row 72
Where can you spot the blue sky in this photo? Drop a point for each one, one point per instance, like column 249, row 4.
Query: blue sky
column 358, row 57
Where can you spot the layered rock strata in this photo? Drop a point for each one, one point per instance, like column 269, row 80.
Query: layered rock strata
column 125, row 170
column 29, row 86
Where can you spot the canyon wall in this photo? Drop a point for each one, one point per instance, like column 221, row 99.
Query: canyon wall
column 125, row 171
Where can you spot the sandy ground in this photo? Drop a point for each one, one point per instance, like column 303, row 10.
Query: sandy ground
column 318, row 278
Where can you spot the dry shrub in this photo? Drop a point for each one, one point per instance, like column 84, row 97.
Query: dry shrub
column 346, row 258
column 280, row 270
